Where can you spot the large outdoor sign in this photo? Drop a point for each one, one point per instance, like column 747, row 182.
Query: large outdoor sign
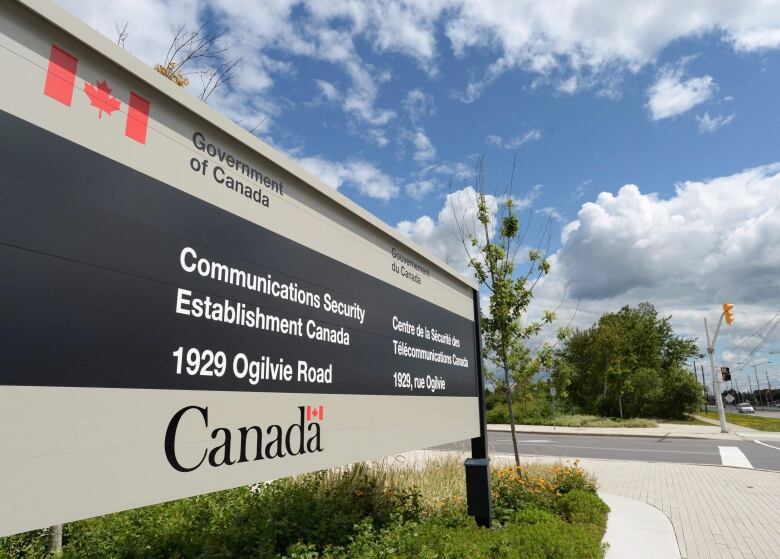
column 182, row 309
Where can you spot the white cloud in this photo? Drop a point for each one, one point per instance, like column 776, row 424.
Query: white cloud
column 706, row 234
column 709, row 124
column 712, row 241
column 577, row 45
column 328, row 90
column 458, row 170
column 515, row 142
column 418, row 104
column 420, row 189
column 518, row 141
column 494, row 140
column 363, row 176
column 593, row 38
column 151, row 25
column 672, row 94
column 424, row 149
column 443, row 235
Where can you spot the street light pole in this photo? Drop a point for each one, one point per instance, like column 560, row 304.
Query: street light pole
column 715, row 379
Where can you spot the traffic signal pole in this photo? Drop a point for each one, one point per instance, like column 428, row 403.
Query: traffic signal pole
column 715, row 378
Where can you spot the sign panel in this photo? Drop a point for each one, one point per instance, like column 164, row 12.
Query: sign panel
column 182, row 309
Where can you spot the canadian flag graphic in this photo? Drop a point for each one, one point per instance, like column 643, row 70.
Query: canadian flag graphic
column 61, row 83
column 317, row 413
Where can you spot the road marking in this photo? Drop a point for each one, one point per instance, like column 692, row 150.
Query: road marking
column 769, row 445
column 733, row 456
column 526, row 441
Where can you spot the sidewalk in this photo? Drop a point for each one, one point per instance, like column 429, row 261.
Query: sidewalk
column 663, row 430
column 716, row 511
column 634, row 523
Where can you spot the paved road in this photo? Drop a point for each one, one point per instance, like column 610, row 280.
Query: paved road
column 664, row 449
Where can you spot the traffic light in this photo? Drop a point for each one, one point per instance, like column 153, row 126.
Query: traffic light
column 727, row 314
column 725, row 373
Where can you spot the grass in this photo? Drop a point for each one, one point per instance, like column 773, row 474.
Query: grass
column 747, row 420
column 596, row 421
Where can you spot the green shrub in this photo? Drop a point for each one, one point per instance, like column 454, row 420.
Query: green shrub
column 29, row 544
column 583, row 507
column 497, row 415
column 533, row 515
column 517, row 487
column 549, row 538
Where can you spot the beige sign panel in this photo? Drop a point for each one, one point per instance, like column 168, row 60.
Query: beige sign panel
column 183, row 309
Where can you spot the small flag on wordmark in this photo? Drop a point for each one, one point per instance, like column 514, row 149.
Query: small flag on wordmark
column 317, row 413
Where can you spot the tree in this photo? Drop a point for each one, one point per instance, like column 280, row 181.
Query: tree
column 492, row 247
column 630, row 363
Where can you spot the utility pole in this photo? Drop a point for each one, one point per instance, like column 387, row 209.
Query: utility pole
column 739, row 392
column 769, row 388
column 715, row 379
column 758, row 387
column 750, row 385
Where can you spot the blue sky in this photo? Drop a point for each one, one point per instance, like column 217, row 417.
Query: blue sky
column 391, row 102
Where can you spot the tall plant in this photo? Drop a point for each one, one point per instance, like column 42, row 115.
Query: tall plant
column 494, row 248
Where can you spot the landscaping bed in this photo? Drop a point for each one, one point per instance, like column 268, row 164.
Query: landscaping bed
column 377, row 511
column 499, row 415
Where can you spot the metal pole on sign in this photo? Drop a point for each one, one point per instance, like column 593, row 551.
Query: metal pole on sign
column 478, row 498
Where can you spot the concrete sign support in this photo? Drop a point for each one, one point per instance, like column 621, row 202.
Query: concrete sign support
column 184, row 309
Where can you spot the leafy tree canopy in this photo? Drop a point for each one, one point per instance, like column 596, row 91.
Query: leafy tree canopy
column 630, row 363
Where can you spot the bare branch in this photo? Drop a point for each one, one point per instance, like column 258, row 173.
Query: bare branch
column 121, row 33
column 259, row 124
column 202, row 52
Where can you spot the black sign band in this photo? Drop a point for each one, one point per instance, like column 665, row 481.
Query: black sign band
column 114, row 279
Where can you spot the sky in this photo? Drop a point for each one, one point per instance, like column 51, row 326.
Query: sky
column 649, row 132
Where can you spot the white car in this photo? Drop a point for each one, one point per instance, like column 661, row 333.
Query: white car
column 744, row 407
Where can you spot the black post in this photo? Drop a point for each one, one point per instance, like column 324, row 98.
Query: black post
column 478, row 498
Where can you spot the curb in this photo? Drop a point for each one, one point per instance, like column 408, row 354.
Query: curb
column 666, row 436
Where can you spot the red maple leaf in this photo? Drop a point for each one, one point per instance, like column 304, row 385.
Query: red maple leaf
column 100, row 97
